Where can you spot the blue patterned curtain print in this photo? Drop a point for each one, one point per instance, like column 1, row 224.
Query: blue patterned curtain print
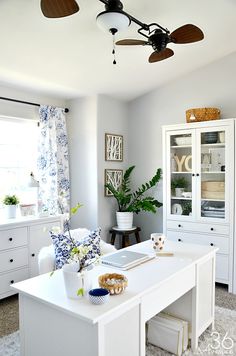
column 53, row 160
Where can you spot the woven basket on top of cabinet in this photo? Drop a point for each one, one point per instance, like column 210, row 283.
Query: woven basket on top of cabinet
column 202, row 114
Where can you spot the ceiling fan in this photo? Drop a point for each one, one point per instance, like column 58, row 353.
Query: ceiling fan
column 114, row 19
column 159, row 38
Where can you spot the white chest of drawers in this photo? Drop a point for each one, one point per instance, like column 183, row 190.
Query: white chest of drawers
column 20, row 243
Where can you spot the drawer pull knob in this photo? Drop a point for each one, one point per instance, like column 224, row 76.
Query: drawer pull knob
column 212, row 229
column 197, row 174
column 179, row 225
column 10, row 238
column 12, row 282
column 11, row 260
column 211, row 244
column 193, row 175
column 33, row 254
column 179, row 240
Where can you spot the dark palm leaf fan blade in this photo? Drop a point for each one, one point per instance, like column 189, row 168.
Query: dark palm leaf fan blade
column 160, row 56
column 59, row 8
column 187, row 34
column 131, row 43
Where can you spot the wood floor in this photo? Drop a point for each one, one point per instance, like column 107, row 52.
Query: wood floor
column 9, row 316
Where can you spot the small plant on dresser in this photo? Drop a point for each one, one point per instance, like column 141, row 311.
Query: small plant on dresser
column 11, row 202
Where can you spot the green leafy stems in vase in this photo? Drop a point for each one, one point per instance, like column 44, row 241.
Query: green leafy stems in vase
column 67, row 217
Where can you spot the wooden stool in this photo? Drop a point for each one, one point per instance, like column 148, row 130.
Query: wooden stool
column 125, row 235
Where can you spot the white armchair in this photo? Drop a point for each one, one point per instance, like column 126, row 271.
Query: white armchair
column 46, row 257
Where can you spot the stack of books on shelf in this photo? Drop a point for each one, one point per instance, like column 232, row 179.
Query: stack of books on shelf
column 213, row 212
column 169, row 333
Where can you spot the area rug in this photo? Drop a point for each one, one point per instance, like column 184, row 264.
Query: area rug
column 222, row 342
column 10, row 345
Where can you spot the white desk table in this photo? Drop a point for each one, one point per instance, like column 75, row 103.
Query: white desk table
column 53, row 325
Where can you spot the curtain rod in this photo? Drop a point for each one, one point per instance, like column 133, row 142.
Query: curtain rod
column 25, row 102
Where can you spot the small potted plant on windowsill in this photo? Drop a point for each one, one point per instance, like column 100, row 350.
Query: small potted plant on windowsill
column 178, row 185
column 10, row 202
column 133, row 202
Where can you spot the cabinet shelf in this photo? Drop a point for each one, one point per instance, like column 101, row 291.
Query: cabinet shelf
column 213, row 172
column 204, row 199
column 180, row 198
column 213, row 144
column 181, row 146
column 181, row 172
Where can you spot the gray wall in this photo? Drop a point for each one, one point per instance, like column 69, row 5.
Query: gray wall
column 82, row 134
column 88, row 121
column 112, row 118
column 213, row 85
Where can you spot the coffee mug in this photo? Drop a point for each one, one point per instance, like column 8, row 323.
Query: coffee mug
column 158, row 241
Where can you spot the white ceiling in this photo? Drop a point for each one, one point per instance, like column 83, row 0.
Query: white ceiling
column 71, row 57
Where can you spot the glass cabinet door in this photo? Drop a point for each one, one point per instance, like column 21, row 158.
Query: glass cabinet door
column 180, row 192
column 211, row 171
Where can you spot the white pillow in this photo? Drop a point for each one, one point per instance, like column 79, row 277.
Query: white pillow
column 46, row 259
column 106, row 248
column 79, row 234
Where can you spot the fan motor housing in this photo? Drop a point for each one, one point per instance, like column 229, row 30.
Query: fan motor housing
column 159, row 40
column 114, row 5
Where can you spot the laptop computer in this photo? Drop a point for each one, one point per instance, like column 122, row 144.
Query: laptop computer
column 125, row 259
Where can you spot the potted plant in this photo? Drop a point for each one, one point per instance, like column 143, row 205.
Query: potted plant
column 133, row 202
column 11, row 202
column 187, row 208
column 178, row 185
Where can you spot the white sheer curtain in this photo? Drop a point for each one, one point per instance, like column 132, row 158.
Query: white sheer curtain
column 53, row 160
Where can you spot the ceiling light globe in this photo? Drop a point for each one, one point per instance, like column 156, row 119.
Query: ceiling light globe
column 109, row 20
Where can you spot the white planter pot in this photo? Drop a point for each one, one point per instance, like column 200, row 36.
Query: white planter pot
column 124, row 220
column 179, row 192
column 10, row 211
column 74, row 280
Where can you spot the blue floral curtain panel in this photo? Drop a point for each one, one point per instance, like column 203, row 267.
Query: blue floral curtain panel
column 53, row 160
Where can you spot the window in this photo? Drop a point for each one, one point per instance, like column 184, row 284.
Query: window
column 18, row 158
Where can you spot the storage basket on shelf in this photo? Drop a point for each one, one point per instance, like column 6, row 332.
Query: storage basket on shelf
column 202, row 114
column 213, row 190
column 213, row 186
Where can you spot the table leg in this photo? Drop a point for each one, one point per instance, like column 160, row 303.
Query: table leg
column 142, row 330
column 137, row 237
column 127, row 240
column 113, row 237
column 123, row 241
column 212, row 326
column 194, row 337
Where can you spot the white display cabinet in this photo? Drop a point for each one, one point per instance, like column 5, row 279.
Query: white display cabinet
column 198, row 171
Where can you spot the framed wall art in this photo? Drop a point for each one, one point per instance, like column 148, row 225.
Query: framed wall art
column 114, row 177
column 113, row 147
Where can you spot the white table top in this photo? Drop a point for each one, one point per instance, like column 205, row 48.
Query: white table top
column 141, row 280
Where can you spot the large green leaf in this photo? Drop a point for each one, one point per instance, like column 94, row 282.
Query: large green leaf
column 136, row 201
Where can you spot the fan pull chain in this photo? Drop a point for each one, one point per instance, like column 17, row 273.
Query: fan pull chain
column 114, row 50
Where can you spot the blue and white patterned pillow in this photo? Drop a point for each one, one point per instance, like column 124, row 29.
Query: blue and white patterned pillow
column 63, row 247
